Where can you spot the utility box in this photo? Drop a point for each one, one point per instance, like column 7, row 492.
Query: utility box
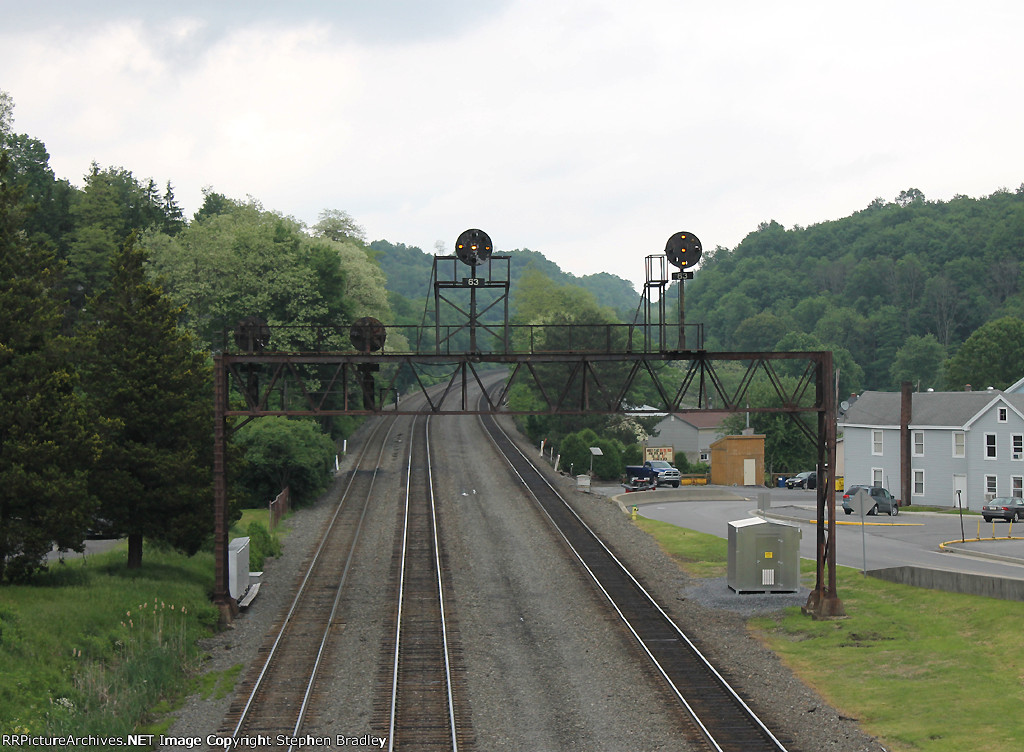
column 238, row 567
column 764, row 556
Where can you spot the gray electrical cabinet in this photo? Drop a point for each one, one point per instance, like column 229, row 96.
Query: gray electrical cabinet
column 764, row 556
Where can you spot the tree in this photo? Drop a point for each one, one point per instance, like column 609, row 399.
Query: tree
column 46, row 199
column 992, row 356
column 575, row 454
column 146, row 379
column 46, row 447
column 112, row 205
column 244, row 261
column 759, row 332
column 339, row 226
column 174, row 217
column 6, row 115
column 910, row 196
column 280, row 453
column 919, row 361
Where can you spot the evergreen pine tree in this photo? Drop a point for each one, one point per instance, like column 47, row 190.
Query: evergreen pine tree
column 155, row 390
column 45, row 444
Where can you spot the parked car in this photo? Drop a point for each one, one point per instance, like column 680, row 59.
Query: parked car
column 885, row 502
column 1009, row 508
column 808, row 479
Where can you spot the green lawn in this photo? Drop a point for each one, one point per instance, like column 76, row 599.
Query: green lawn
column 920, row 669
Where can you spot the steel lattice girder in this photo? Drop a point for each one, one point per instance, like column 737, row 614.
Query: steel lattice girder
column 326, row 384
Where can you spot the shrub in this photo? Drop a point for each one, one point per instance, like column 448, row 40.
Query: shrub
column 261, row 545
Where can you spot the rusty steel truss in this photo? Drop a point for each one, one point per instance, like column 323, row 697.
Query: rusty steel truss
column 575, row 372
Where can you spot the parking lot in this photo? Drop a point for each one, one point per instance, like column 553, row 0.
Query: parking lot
column 909, row 539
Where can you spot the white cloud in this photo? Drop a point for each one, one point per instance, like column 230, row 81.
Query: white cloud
column 590, row 131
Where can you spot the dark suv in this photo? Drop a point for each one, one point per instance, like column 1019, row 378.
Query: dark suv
column 885, row 502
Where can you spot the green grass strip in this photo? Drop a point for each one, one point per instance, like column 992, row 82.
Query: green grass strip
column 920, row 669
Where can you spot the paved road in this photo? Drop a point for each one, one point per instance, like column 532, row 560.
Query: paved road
column 910, row 538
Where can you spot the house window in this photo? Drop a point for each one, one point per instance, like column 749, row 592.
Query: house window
column 990, row 446
column 1002, row 414
column 919, row 443
column 876, row 476
column 876, row 442
column 991, row 487
column 1017, row 481
column 919, row 483
column 1018, row 446
column 959, row 444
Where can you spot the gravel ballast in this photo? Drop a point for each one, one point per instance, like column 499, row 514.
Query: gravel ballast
column 545, row 662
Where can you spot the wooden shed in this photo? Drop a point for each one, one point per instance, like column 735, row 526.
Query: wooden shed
column 738, row 461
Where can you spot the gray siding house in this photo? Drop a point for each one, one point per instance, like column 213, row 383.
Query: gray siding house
column 966, row 442
column 692, row 433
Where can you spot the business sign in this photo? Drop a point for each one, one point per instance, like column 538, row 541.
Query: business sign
column 659, row 453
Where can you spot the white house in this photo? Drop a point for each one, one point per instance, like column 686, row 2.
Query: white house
column 971, row 443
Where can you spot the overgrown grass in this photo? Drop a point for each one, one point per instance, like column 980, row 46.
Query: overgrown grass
column 91, row 647
column 920, row 669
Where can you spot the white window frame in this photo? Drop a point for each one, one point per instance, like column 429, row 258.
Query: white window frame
column 1017, row 447
column 1002, row 414
column 918, row 483
column 991, row 447
column 992, row 485
column 877, row 445
column 918, row 442
column 1017, row 486
column 877, row 476
column 959, row 444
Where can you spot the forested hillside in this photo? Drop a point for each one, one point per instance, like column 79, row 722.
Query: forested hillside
column 408, row 270
column 894, row 289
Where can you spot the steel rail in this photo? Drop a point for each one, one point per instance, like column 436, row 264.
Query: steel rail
column 438, row 582
column 773, row 742
column 301, row 592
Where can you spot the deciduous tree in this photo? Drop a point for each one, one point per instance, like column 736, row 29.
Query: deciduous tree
column 992, row 356
column 282, row 452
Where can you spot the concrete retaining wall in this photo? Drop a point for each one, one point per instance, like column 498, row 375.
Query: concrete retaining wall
column 954, row 582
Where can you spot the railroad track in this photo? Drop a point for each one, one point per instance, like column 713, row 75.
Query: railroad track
column 426, row 706
column 422, row 703
column 719, row 716
column 277, row 695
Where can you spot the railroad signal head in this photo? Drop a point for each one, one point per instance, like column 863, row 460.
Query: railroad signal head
column 252, row 334
column 367, row 334
column 473, row 246
column 683, row 250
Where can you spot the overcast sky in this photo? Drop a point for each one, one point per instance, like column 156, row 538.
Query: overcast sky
column 588, row 131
